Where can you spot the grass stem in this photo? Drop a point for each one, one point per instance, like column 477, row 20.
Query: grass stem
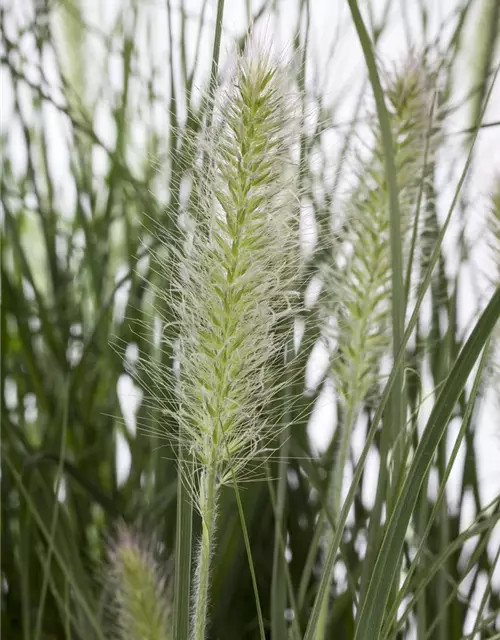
column 207, row 506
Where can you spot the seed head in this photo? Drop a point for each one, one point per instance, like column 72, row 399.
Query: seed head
column 140, row 593
column 234, row 281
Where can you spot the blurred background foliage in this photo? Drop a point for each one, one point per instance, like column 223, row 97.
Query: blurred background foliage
column 99, row 102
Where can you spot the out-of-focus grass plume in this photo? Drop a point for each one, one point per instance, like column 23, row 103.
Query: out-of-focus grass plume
column 139, row 586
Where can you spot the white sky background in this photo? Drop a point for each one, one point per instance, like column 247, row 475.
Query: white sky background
column 340, row 76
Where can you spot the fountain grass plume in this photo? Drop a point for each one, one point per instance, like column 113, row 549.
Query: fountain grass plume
column 233, row 290
column 358, row 283
column 142, row 601
column 359, row 287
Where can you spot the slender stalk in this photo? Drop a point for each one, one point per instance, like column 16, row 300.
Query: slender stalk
column 423, row 518
column 335, row 498
column 208, row 508
column 184, row 527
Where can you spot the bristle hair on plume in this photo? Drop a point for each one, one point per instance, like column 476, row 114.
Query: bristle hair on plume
column 139, row 588
column 235, row 289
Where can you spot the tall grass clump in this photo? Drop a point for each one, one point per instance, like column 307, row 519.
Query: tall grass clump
column 139, row 588
column 198, row 267
column 358, row 284
column 234, row 284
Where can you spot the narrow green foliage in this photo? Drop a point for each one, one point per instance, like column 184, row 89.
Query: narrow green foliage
column 139, row 589
column 372, row 611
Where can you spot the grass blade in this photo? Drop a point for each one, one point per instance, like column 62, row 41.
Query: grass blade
column 58, row 557
column 372, row 611
column 250, row 559
column 59, row 478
